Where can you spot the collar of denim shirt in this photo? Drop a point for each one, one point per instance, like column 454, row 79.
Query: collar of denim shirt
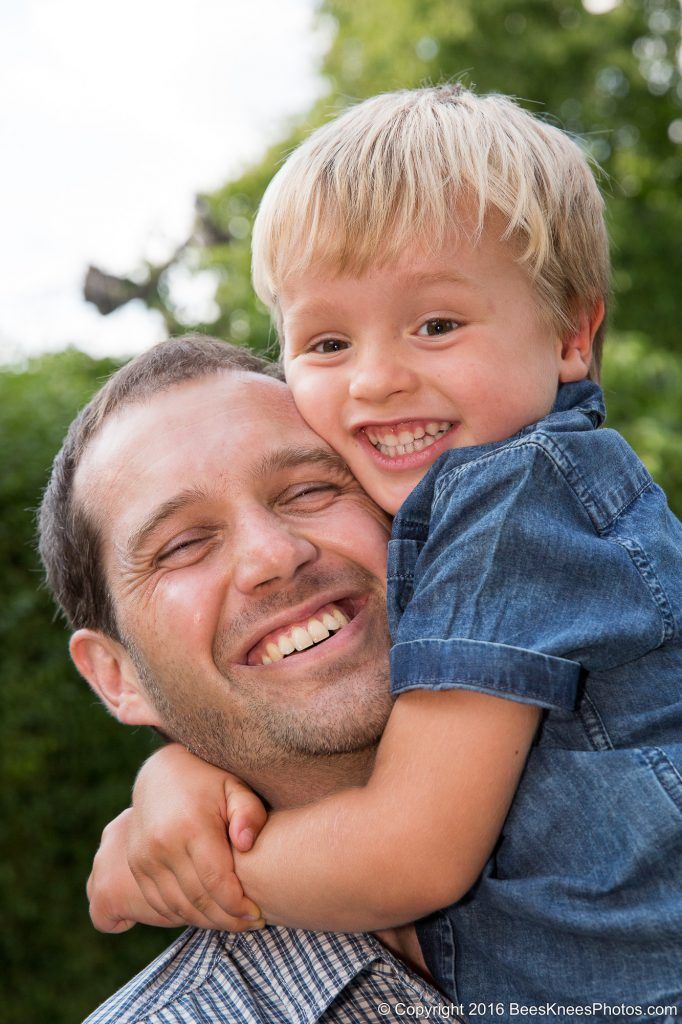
column 579, row 406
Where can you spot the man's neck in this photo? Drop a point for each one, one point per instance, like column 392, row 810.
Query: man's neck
column 307, row 780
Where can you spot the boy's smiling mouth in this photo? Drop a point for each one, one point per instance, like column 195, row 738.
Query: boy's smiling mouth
column 405, row 438
column 406, row 444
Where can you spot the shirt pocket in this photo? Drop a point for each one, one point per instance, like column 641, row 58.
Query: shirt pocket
column 402, row 561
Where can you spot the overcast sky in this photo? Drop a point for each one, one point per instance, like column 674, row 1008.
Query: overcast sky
column 112, row 117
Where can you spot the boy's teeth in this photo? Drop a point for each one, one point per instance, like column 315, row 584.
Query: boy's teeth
column 299, row 638
column 406, row 441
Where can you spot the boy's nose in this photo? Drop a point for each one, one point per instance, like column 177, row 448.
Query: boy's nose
column 267, row 551
column 378, row 374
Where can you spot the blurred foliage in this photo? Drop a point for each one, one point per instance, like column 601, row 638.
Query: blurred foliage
column 66, row 766
column 614, row 80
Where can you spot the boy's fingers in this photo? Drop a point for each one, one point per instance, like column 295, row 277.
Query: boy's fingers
column 243, row 838
column 245, row 813
column 202, row 870
column 187, row 903
column 235, row 914
column 110, row 911
column 216, row 877
column 158, row 897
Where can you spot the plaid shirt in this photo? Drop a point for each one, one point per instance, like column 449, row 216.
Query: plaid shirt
column 272, row 975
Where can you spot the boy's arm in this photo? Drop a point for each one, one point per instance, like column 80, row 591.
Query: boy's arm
column 413, row 839
column 416, row 837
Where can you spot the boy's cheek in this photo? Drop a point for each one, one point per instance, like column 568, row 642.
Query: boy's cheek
column 316, row 405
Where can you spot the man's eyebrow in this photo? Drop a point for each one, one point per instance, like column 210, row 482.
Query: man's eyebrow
column 294, row 456
column 179, row 502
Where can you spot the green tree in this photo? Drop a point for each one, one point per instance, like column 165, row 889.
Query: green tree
column 612, row 79
column 67, row 766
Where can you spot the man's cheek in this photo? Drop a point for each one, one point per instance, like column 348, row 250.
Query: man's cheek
column 359, row 530
column 183, row 608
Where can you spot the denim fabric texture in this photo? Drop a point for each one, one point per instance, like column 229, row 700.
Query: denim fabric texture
column 548, row 569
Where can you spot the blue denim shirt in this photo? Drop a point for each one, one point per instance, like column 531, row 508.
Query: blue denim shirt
column 548, row 569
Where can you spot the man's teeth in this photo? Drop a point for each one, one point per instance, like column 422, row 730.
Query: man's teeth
column 404, row 442
column 299, row 638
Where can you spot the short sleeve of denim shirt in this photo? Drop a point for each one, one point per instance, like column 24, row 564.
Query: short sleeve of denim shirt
column 512, row 591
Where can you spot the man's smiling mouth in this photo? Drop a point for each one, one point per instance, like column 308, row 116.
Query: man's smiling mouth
column 299, row 636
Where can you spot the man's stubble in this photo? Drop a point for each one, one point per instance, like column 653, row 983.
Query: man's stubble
column 240, row 730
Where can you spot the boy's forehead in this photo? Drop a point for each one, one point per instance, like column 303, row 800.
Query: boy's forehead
column 463, row 257
column 329, row 250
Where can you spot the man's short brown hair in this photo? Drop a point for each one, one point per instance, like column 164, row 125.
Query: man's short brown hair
column 69, row 541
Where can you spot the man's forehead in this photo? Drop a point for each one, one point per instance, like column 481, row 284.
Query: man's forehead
column 236, row 415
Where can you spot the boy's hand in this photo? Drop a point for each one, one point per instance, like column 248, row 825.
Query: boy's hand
column 116, row 903
column 177, row 840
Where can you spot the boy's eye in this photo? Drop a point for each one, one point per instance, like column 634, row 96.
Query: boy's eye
column 329, row 345
column 436, row 327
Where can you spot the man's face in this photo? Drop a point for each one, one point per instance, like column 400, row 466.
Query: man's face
column 232, row 534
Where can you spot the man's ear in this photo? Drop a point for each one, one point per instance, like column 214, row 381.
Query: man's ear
column 107, row 667
column 576, row 348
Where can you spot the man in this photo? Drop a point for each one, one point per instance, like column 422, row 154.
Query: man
column 190, row 513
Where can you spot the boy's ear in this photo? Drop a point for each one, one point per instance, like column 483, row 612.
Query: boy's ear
column 107, row 667
column 576, row 348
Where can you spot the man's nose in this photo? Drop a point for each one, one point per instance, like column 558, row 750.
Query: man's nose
column 267, row 551
column 381, row 370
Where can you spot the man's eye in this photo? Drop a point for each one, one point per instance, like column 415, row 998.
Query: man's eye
column 177, row 548
column 309, row 496
column 328, row 346
column 183, row 548
column 437, row 327
column 311, row 491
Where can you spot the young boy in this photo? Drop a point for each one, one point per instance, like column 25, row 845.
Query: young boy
column 437, row 265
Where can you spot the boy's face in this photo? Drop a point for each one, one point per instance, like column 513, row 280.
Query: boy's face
column 442, row 349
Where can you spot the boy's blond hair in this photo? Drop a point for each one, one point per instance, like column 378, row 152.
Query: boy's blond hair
column 398, row 170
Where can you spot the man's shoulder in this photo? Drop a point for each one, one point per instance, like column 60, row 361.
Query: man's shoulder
column 277, row 974
column 180, row 970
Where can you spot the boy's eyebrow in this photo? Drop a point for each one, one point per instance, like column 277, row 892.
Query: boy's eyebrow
column 446, row 277
column 316, row 307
